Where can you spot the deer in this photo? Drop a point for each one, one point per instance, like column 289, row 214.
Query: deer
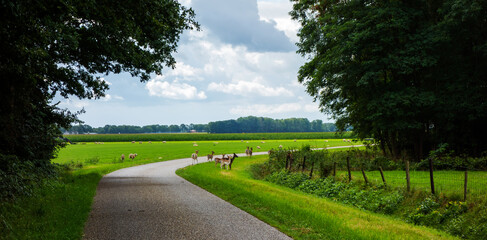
column 247, row 151
column 228, row 162
column 219, row 160
column 210, row 156
column 194, row 156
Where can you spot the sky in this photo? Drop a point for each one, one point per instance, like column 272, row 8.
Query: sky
column 242, row 63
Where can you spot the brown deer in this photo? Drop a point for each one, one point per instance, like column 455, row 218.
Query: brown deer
column 219, row 160
column 194, row 156
column 228, row 162
column 210, row 156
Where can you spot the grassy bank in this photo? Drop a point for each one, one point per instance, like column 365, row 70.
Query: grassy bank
column 299, row 215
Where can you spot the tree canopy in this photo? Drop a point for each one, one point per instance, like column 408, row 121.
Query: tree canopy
column 411, row 74
column 54, row 47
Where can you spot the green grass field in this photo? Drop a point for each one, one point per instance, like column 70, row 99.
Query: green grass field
column 299, row 215
column 446, row 182
column 59, row 209
column 110, row 152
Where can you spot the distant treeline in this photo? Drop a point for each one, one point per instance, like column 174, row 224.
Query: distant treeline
column 249, row 124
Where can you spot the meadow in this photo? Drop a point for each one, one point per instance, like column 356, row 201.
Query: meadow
column 300, row 215
column 59, row 208
column 87, row 153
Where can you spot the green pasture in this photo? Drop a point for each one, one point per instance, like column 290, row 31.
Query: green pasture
column 203, row 136
column 299, row 215
column 446, row 182
column 110, row 152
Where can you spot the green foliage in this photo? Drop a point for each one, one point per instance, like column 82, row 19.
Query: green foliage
column 286, row 179
column 451, row 218
column 448, row 160
column 381, row 67
column 372, row 199
column 50, row 48
column 93, row 160
column 18, row 178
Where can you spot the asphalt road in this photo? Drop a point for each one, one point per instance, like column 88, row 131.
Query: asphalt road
column 152, row 202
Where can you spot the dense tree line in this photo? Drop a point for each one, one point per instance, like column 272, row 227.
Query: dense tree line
column 410, row 73
column 62, row 48
column 244, row 124
column 253, row 124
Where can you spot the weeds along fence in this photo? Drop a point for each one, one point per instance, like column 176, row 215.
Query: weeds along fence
column 453, row 176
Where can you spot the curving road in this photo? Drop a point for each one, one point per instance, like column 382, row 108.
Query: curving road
column 152, row 202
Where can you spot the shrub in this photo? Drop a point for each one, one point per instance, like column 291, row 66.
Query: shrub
column 93, row 160
column 18, row 178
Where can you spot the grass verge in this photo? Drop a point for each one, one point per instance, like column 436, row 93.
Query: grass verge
column 299, row 215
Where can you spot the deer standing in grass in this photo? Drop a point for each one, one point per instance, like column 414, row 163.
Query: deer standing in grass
column 228, row 162
column 247, row 151
column 219, row 160
column 194, row 156
column 210, row 156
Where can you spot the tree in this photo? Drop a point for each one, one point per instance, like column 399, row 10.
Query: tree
column 381, row 67
column 317, row 125
column 54, row 47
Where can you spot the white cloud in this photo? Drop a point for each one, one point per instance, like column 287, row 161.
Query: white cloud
column 278, row 14
column 109, row 97
column 174, row 90
column 248, row 88
column 239, row 23
column 103, row 80
column 185, row 3
column 73, row 103
column 184, row 71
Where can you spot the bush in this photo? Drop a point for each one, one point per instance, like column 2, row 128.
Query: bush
column 18, row 178
column 93, row 160
column 290, row 180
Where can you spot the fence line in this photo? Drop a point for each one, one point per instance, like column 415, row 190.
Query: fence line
column 370, row 167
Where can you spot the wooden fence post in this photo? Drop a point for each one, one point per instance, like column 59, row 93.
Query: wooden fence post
column 304, row 162
column 334, row 169
column 408, row 179
column 348, row 168
column 312, row 167
column 291, row 159
column 465, row 186
column 432, row 181
column 382, row 175
column 287, row 160
column 365, row 177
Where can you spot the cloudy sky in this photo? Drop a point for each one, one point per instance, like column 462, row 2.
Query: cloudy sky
column 243, row 62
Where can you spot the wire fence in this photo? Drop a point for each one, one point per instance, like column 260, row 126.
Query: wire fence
column 460, row 177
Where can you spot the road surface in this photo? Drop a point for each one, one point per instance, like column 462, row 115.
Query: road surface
column 152, row 202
